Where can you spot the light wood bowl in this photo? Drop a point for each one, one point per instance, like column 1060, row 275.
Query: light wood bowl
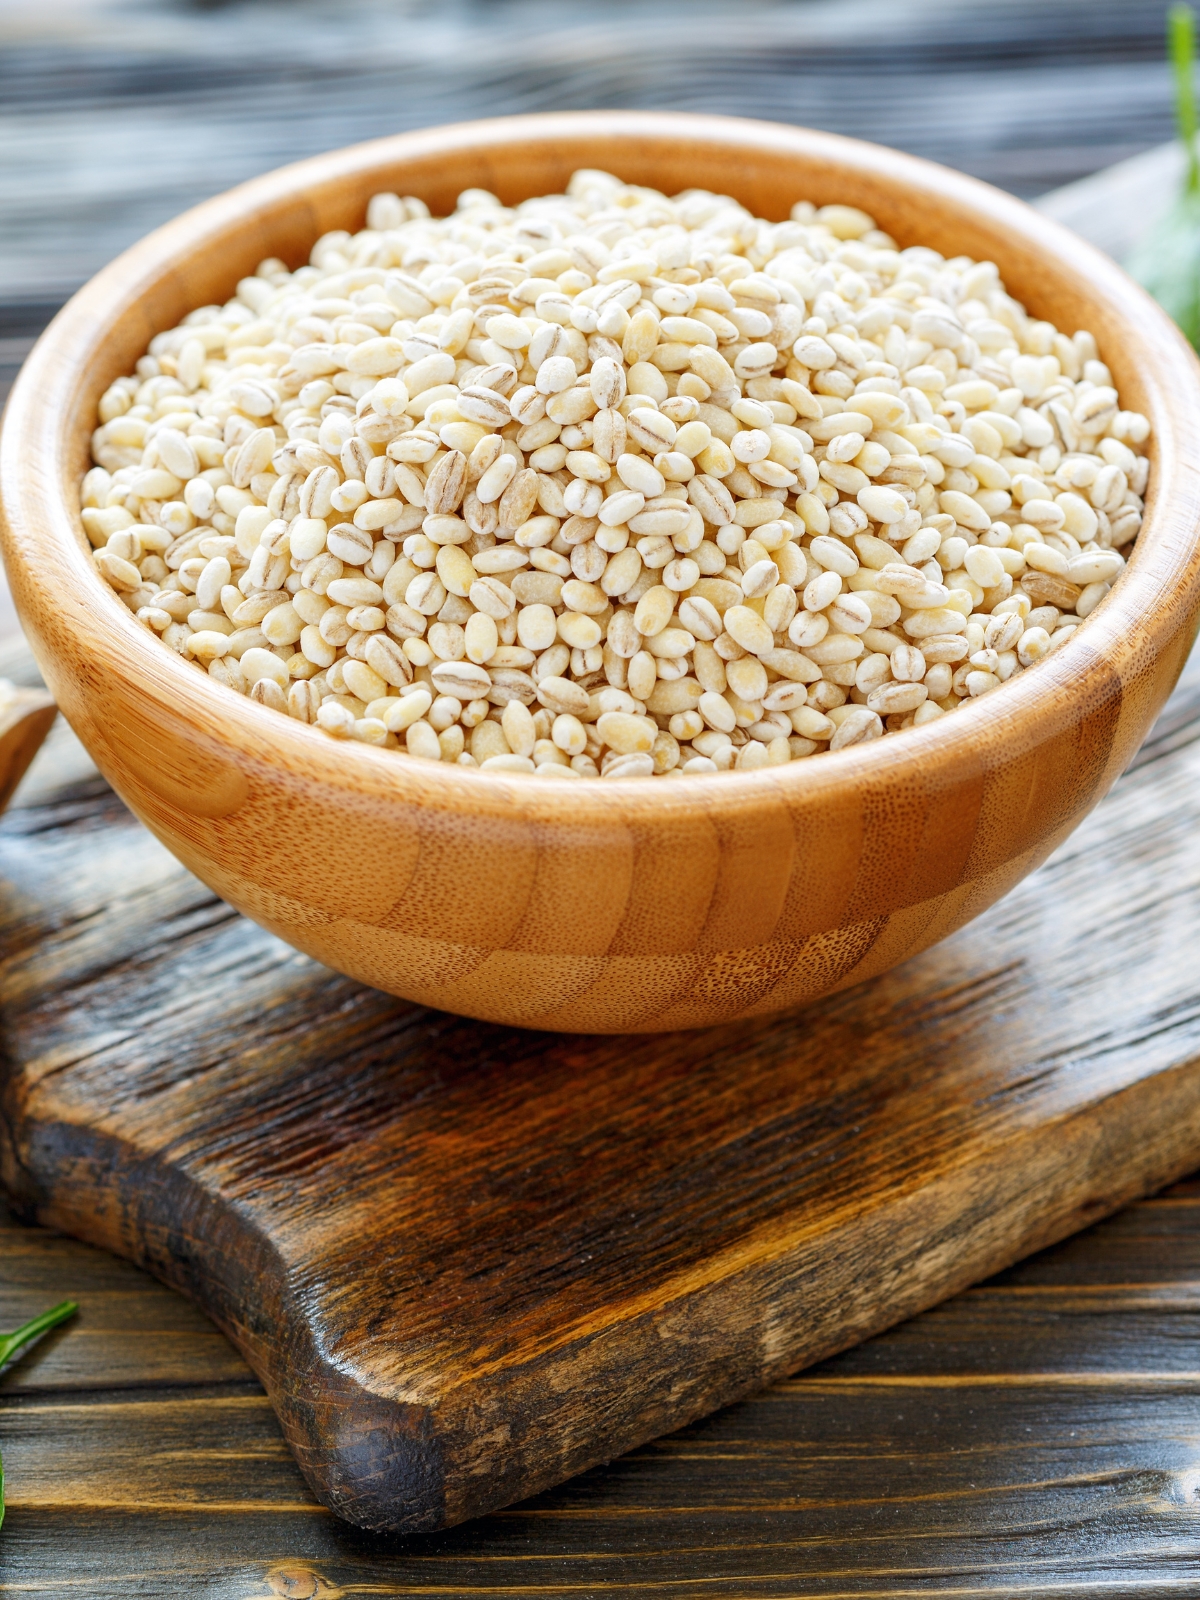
column 601, row 905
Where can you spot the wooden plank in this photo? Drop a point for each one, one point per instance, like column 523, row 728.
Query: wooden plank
column 130, row 1334
column 935, row 1459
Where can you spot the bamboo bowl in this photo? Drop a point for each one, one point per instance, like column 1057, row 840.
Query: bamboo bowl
column 601, row 905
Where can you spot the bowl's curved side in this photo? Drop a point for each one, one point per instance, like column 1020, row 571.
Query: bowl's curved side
column 599, row 906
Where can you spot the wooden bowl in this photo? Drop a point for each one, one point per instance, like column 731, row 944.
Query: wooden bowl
column 601, row 905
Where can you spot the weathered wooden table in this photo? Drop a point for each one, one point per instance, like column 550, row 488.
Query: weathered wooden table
column 1038, row 1435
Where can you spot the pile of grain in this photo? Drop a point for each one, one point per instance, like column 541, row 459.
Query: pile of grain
column 614, row 484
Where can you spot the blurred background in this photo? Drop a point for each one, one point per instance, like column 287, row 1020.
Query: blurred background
column 117, row 114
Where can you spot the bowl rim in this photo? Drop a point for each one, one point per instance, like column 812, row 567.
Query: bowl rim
column 43, row 538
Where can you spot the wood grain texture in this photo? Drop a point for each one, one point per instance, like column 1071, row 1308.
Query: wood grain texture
column 1034, row 1436
column 468, row 1262
column 617, row 906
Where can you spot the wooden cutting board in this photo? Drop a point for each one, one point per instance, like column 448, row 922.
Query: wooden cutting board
column 469, row 1262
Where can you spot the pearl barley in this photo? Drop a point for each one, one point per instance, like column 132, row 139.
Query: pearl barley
column 608, row 483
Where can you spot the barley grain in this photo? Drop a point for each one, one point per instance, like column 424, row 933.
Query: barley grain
column 652, row 525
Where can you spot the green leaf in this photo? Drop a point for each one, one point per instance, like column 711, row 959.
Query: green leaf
column 1167, row 262
column 11, row 1343
column 1181, row 43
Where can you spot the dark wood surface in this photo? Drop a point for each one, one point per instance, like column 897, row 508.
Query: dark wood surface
column 1036, row 1435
